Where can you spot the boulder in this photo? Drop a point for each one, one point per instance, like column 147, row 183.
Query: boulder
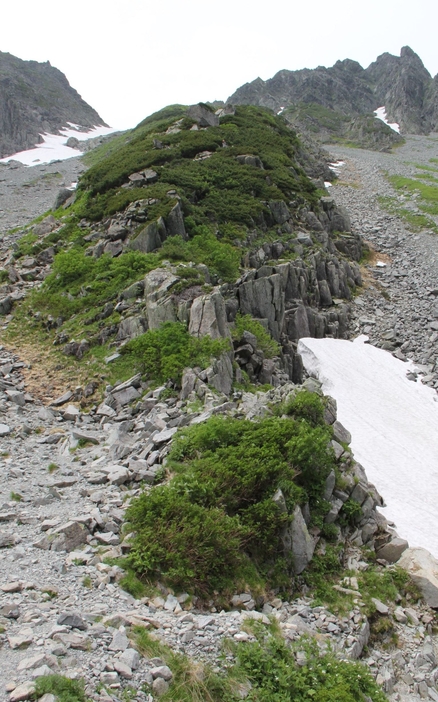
column 423, row 569
column 393, row 550
column 150, row 238
column 175, row 222
column 62, row 196
column 46, row 226
column 208, row 316
column 298, row 542
column 160, row 307
column 203, row 116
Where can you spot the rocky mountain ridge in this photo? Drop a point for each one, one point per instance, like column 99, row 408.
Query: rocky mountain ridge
column 287, row 265
column 402, row 84
column 36, row 98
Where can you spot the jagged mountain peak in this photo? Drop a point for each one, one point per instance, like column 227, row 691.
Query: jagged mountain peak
column 36, row 98
column 401, row 83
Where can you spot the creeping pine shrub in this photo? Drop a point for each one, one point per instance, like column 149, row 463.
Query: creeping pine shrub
column 222, row 259
column 163, row 353
column 270, row 666
column 79, row 282
column 198, row 531
column 306, row 405
column 244, row 322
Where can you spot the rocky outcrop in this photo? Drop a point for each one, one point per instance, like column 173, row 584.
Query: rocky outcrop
column 36, row 98
column 401, row 83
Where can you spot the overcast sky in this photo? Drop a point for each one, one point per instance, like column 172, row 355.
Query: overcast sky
column 128, row 59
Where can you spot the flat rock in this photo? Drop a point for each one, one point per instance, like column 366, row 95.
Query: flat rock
column 164, row 436
column 22, row 692
column 62, row 400
column 423, row 568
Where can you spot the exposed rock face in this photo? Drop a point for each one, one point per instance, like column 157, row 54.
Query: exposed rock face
column 401, row 83
column 36, row 98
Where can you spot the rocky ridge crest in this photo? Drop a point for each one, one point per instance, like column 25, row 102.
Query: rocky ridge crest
column 401, row 83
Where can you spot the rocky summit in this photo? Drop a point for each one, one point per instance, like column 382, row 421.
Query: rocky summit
column 36, row 98
column 327, row 99
column 181, row 514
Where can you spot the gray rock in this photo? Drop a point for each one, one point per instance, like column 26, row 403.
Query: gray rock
column 131, row 658
column 73, row 620
column 5, row 305
column 393, row 550
column 298, row 542
column 423, row 568
column 69, row 536
column 203, row 116
column 63, row 195
column 208, row 317
column 340, row 433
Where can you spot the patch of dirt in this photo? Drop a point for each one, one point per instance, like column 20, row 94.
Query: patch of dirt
column 44, row 377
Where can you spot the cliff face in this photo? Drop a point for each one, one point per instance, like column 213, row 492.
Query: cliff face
column 36, row 98
column 401, row 83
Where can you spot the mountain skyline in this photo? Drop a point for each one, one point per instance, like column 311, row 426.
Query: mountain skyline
column 128, row 65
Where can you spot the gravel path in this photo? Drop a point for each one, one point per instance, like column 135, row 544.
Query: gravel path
column 398, row 308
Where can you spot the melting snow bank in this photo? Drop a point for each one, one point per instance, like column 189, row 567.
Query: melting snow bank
column 381, row 114
column 54, row 146
column 394, row 427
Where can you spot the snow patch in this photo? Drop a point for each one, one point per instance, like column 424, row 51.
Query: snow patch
column 54, row 146
column 394, row 427
column 381, row 114
column 327, row 184
column 336, row 166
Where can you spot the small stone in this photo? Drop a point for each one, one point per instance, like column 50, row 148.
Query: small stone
column 72, row 620
column 23, row 638
column 162, row 671
column 131, row 658
column 109, row 678
column 380, row 607
column 22, row 692
column 122, row 669
column 160, row 687
column 120, row 642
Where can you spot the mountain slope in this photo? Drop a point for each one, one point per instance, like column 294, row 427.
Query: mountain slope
column 401, row 83
column 36, row 98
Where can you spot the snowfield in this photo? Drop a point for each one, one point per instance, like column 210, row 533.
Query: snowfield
column 54, row 146
column 381, row 114
column 394, row 427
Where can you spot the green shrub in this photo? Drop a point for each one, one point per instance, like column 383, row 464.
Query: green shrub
column 226, row 473
column 79, row 282
column 351, row 512
column 163, row 353
column 184, row 542
column 64, row 689
column 270, row 666
column 306, row 405
column 222, row 259
column 244, row 322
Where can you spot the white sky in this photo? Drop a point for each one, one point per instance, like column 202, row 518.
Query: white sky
column 129, row 59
